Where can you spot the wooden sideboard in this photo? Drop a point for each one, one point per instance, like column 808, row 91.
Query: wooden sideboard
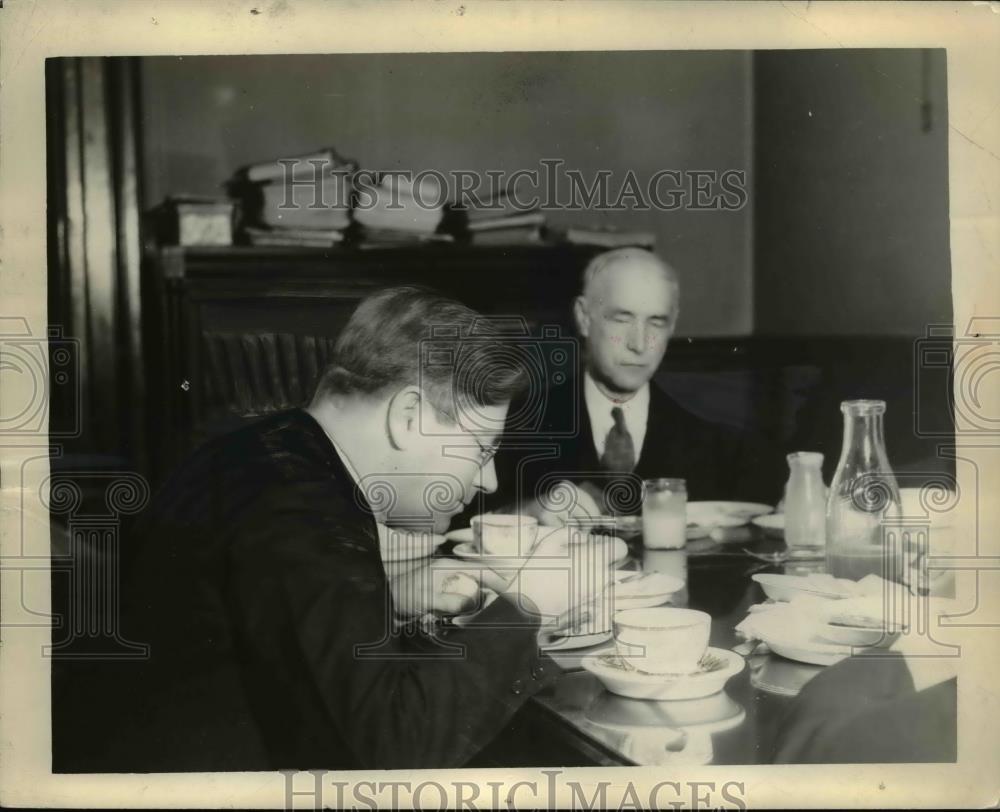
column 220, row 320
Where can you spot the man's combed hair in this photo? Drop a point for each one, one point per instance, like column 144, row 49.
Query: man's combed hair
column 413, row 336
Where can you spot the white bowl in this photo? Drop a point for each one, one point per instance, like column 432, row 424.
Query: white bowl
column 853, row 636
column 786, row 587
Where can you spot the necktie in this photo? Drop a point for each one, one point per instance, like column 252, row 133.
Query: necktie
column 619, row 451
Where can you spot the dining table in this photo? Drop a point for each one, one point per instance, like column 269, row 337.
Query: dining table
column 577, row 722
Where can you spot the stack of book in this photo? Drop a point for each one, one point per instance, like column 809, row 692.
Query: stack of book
column 603, row 236
column 395, row 211
column 298, row 201
column 502, row 222
column 190, row 220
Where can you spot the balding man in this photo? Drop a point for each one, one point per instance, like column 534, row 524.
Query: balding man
column 629, row 429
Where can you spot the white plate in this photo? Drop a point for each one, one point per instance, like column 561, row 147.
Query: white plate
column 706, row 512
column 721, row 665
column 704, row 517
column 468, row 552
column 786, row 587
column 813, row 651
column 778, row 675
column 652, row 589
column 617, row 524
column 464, row 535
column 700, row 531
column 711, row 714
column 773, row 524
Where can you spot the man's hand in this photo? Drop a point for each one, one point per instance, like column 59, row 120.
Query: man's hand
column 442, row 586
column 565, row 573
column 567, row 500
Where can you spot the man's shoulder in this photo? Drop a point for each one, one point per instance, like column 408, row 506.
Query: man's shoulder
column 671, row 419
column 664, row 406
column 285, row 445
column 283, row 456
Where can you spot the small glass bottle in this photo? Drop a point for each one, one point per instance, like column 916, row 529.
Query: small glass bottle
column 805, row 501
column 863, row 494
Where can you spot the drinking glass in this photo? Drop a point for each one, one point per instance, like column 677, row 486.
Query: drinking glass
column 664, row 513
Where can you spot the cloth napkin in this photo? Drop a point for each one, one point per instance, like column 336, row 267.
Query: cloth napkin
column 794, row 623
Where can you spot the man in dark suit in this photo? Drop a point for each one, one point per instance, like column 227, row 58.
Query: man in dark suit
column 257, row 575
column 873, row 710
column 627, row 428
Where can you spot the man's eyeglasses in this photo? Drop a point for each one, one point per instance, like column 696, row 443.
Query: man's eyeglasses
column 486, row 452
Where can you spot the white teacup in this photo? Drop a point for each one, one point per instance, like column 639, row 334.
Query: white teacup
column 662, row 640
column 505, row 534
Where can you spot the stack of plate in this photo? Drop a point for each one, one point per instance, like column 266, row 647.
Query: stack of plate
column 818, row 619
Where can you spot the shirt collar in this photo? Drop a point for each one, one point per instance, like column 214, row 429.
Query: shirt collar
column 597, row 400
column 382, row 529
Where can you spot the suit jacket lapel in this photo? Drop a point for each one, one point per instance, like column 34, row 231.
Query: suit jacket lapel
column 587, row 458
column 662, row 436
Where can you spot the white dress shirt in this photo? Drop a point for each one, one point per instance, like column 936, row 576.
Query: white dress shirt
column 599, row 406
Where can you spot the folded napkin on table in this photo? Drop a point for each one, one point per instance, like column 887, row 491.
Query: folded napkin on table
column 801, row 619
column 794, row 622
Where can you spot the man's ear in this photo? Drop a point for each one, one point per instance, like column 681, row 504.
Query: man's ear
column 403, row 418
column 582, row 316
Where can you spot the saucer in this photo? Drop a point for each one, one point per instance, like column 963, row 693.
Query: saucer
column 778, row 675
column 465, row 535
column 650, row 589
column 468, row 551
column 571, row 642
column 813, row 652
column 698, row 530
column 744, row 511
column 715, row 669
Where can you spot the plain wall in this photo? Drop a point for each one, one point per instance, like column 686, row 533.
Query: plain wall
column 846, row 231
column 851, row 192
column 640, row 111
